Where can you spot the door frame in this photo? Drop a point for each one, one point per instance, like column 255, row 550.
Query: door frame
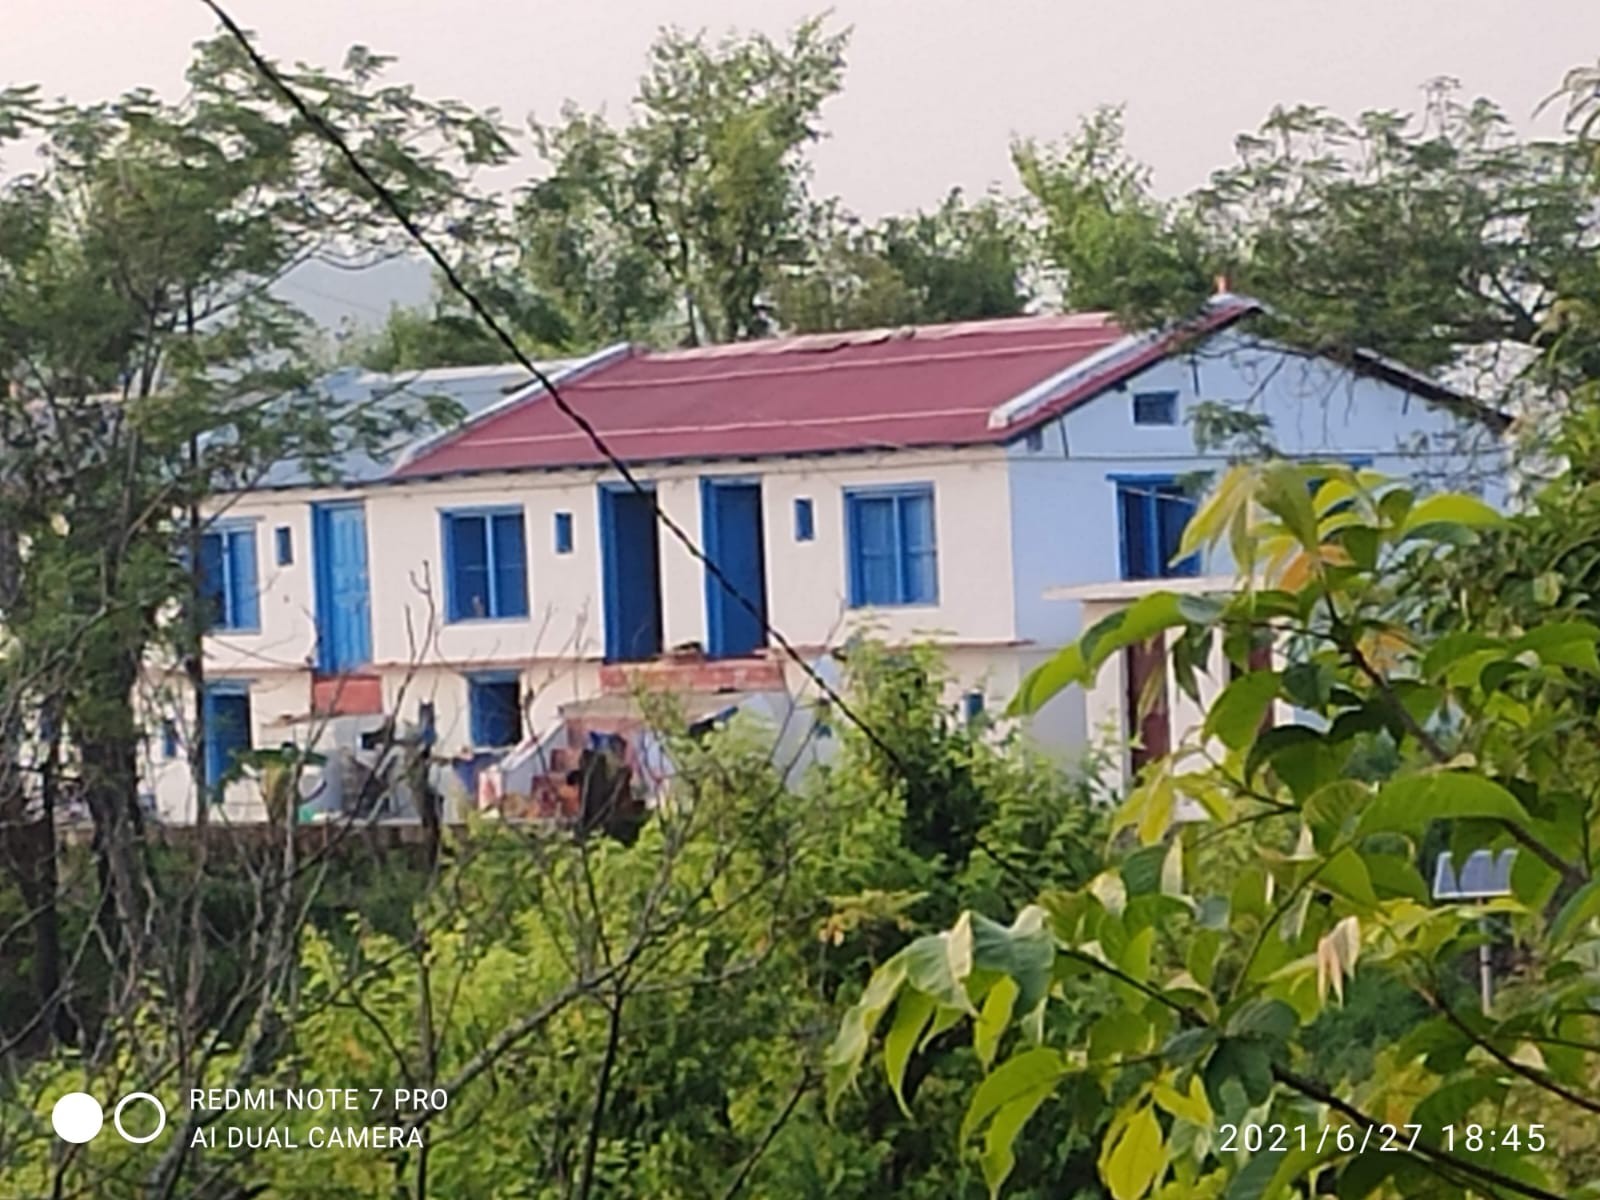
column 711, row 541
column 610, row 582
column 322, row 581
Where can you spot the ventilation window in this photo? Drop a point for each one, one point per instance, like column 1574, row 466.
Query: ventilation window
column 1155, row 408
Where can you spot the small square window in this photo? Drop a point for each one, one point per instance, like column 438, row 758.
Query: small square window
column 1034, row 440
column 169, row 738
column 494, row 704
column 284, row 537
column 805, row 522
column 563, row 533
column 1155, row 408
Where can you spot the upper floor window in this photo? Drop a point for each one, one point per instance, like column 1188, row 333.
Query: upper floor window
column 563, row 533
column 893, row 549
column 1155, row 408
column 1152, row 514
column 229, row 594
column 485, row 565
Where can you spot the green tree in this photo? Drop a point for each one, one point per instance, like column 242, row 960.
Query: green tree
column 146, row 367
column 678, row 222
column 1215, row 990
column 1440, row 239
column 962, row 261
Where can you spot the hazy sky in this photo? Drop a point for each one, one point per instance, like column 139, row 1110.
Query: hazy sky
column 934, row 91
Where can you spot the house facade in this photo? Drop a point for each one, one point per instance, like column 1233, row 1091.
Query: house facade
column 939, row 483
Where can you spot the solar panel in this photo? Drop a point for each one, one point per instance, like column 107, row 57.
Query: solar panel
column 1484, row 874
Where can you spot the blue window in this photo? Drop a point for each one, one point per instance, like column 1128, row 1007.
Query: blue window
column 1152, row 514
column 563, row 533
column 227, row 733
column 427, row 725
column 228, row 591
column 169, row 738
column 1034, row 440
column 494, row 706
column 1155, row 408
column 285, row 540
column 485, row 565
column 972, row 706
column 893, row 546
column 805, row 521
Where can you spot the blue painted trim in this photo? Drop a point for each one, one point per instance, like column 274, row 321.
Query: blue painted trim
column 607, row 494
column 225, row 530
column 856, row 584
column 711, row 543
column 447, row 556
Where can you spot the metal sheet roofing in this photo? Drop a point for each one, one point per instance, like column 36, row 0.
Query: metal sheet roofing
column 473, row 390
column 973, row 383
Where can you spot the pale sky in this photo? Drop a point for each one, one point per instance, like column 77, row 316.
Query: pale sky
column 934, row 89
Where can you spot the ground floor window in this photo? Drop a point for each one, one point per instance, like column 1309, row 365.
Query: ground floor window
column 494, row 704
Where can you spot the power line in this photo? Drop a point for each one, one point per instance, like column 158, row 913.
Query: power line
column 331, row 135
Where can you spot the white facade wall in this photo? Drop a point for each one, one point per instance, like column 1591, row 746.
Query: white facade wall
column 1012, row 523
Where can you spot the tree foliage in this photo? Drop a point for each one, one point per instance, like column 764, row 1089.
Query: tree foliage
column 1211, row 990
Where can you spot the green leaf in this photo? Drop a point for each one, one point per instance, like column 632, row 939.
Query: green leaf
column 1191, row 1106
column 1051, row 677
column 992, row 1020
column 1023, row 951
column 1283, row 493
column 1410, row 803
column 939, row 965
column 1576, row 912
column 1035, row 1070
column 1450, row 508
column 1345, row 875
column 1137, row 1159
column 911, row 1015
column 855, row 1030
column 1235, row 716
column 998, row 1158
column 1253, row 1181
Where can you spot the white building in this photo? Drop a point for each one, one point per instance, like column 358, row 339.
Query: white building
column 918, row 483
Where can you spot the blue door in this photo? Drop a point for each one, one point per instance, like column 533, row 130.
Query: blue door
column 344, row 620
column 736, row 604
column 630, row 562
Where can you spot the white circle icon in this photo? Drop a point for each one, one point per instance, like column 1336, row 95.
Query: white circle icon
column 161, row 1117
column 77, row 1117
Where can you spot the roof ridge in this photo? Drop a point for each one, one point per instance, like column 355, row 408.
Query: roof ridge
column 821, row 342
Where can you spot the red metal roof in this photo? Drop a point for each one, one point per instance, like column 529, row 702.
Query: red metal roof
column 820, row 393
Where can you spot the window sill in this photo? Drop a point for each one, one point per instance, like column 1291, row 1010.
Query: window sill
column 451, row 622
column 914, row 606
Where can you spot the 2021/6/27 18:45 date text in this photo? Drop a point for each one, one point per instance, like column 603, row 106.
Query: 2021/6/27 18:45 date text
column 1382, row 1138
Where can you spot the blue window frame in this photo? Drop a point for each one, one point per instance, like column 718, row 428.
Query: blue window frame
column 229, row 594
column 805, row 520
column 563, row 533
column 227, row 733
column 494, row 707
column 284, row 537
column 1152, row 513
column 485, row 564
column 1155, row 408
column 893, row 547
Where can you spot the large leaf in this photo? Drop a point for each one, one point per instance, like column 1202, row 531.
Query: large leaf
column 1023, row 951
column 1450, row 508
column 1576, row 912
column 1035, row 1070
column 1236, row 714
column 855, row 1030
column 911, row 1016
column 1409, row 804
column 940, row 963
column 1137, row 1159
column 1080, row 662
